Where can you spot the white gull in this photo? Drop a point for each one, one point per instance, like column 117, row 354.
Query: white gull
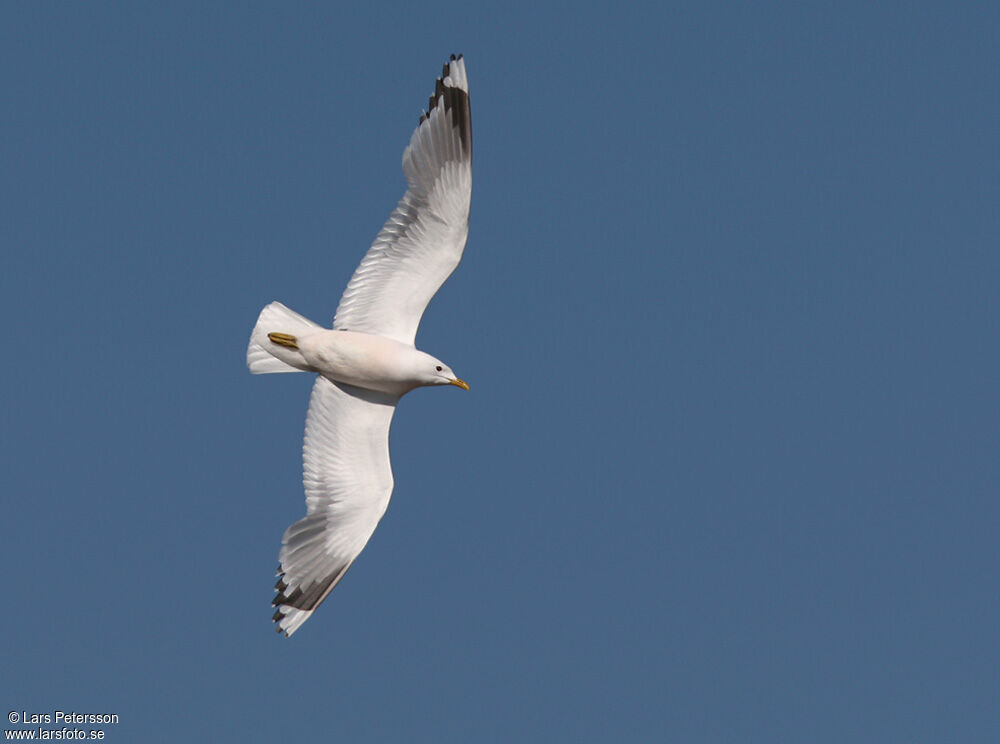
column 368, row 360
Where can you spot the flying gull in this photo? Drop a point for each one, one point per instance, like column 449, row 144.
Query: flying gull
column 368, row 360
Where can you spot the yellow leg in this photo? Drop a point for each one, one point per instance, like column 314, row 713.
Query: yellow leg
column 283, row 339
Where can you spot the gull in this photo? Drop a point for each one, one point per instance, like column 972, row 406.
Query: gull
column 368, row 360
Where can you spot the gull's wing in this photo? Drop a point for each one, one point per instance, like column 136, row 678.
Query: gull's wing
column 422, row 242
column 348, row 481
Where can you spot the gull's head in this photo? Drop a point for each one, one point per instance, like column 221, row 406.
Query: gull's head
column 439, row 373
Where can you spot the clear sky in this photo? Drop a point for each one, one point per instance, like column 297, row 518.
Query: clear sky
column 728, row 471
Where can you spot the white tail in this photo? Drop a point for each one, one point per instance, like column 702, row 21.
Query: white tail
column 264, row 357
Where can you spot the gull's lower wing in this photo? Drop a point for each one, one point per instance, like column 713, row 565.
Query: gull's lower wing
column 422, row 242
column 348, row 482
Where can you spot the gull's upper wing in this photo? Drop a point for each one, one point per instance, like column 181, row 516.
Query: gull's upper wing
column 348, row 481
column 422, row 242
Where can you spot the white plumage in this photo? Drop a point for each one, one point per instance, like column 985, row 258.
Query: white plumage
column 368, row 360
column 422, row 241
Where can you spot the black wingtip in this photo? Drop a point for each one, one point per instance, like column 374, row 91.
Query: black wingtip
column 456, row 101
column 286, row 599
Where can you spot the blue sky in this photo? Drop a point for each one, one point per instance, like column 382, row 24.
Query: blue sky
column 728, row 470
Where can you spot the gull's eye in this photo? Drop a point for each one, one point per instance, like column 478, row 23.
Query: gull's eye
column 439, row 368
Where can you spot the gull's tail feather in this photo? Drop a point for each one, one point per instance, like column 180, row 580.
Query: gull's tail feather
column 265, row 356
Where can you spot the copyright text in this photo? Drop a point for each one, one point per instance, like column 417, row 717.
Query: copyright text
column 65, row 728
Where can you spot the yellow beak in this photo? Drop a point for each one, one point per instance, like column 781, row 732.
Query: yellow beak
column 459, row 383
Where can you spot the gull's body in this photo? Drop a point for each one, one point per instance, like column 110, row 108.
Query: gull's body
column 363, row 360
column 368, row 360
